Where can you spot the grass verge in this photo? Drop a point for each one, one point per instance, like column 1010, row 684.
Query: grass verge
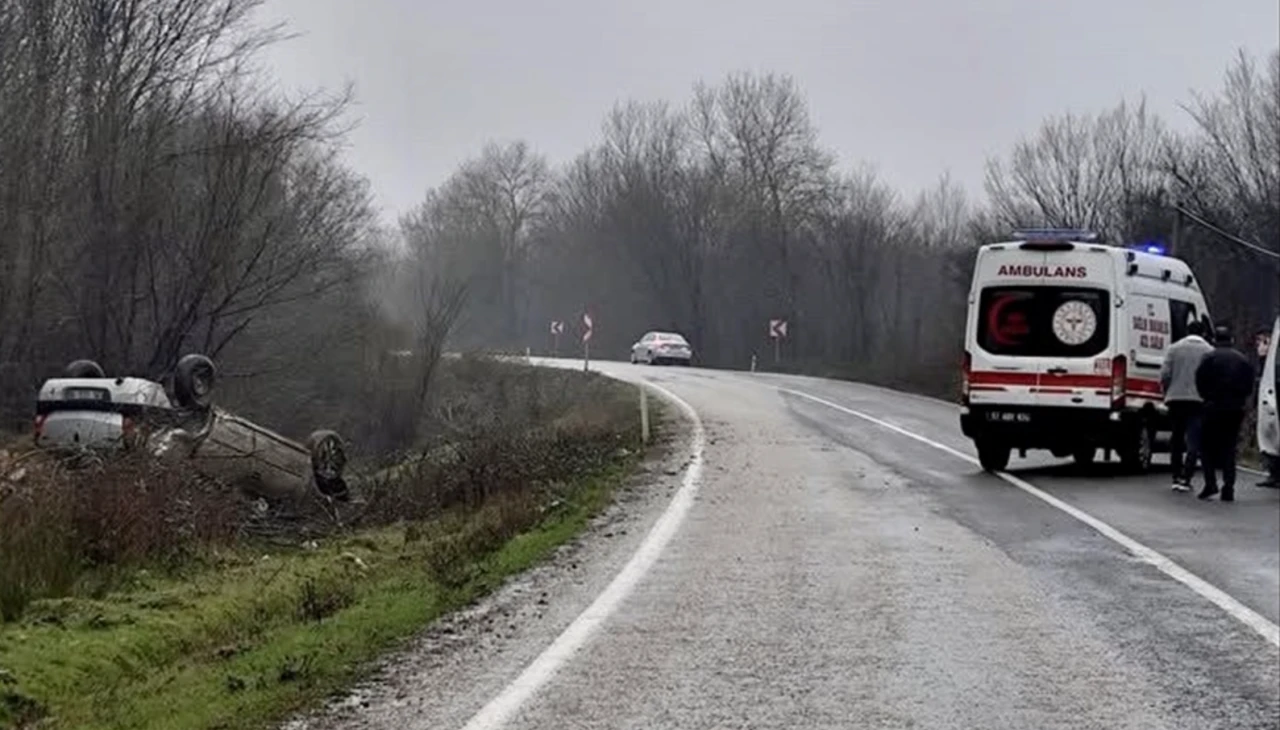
column 247, row 638
column 134, row 596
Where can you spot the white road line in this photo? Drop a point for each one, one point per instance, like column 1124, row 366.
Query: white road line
column 502, row 708
column 901, row 394
column 1233, row 607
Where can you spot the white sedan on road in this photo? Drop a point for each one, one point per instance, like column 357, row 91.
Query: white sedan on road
column 656, row 348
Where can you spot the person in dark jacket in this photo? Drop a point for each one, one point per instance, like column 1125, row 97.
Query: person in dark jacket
column 1225, row 382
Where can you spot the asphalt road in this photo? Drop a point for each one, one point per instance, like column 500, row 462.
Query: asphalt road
column 833, row 558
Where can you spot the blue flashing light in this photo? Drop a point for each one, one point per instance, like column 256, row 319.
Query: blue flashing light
column 1055, row 235
column 1152, row 247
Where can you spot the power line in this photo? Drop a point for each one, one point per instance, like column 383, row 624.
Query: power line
column 1256, row 248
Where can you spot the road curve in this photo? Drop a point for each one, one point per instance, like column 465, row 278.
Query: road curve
column 839, row 562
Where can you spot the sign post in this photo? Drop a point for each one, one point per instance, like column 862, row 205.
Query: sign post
column 557, row 329
column 586, row 342
column 777, row 331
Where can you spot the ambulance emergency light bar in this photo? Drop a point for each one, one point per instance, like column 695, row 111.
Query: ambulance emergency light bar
column 1055, row 235
column 1152, row 247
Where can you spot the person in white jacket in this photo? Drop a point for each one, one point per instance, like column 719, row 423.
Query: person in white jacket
column 1178, row 376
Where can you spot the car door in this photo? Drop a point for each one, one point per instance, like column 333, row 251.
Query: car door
column 641, row 349
column 1268, row 394
column 1151, row 330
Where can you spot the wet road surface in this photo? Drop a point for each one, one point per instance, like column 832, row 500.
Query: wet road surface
column 832, row 572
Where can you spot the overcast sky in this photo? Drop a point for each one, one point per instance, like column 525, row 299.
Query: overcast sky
column 916, row 87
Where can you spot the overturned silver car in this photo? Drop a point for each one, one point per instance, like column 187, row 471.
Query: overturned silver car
column 85, row 409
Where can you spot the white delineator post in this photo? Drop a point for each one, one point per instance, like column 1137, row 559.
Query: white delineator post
column 644, row 415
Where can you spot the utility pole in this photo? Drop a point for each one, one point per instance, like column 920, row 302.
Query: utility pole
column 1176, row 239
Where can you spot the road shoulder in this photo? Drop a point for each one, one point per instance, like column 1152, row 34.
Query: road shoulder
column 447, row 673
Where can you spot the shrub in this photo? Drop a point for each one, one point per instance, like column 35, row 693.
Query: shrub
column 499, row 435
column 63, row 527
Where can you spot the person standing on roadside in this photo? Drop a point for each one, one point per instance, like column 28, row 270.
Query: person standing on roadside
column 1178, row 378
column 1225, row 382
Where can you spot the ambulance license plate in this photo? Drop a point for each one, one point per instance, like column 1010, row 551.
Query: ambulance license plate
column 1008, row 417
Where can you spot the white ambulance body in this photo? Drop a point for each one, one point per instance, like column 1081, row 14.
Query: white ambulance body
column 1064, row 342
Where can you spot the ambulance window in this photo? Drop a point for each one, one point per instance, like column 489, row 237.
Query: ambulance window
column 1181, row 314
column 1044, row 321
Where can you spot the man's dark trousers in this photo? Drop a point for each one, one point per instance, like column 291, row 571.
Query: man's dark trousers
column 1221, row 438
column 1186, row 416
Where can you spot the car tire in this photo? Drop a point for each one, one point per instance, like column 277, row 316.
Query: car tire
column 328, row 460
column 993, row 456
column 193, row 382
column 84, row 369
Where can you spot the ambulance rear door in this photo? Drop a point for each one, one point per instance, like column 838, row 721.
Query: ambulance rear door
column 1044, row 326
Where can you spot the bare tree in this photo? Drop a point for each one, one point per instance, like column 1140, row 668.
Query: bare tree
column 1080, row 172
column 153, row 198
column 654, row 213
column 1238, row 165
column 1228, row 173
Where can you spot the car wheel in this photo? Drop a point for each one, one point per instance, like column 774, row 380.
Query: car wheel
column 193, row 381
column 328, row 460
column 993, row 456
column 84, row 369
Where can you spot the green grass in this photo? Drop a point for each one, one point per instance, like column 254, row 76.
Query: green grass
column 244, row 638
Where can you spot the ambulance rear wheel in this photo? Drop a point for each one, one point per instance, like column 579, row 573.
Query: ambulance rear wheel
column 993, row 456
column 1085, row 455
column 1135, row 456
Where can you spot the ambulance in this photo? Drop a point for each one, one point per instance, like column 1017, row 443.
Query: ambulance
column 1064, row 341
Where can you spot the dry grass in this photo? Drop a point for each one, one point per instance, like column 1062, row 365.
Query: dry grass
column 69, row 527
column 500, row 438
column 135, row 596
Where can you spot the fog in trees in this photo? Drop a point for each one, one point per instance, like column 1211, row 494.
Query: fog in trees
column 157, row 197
